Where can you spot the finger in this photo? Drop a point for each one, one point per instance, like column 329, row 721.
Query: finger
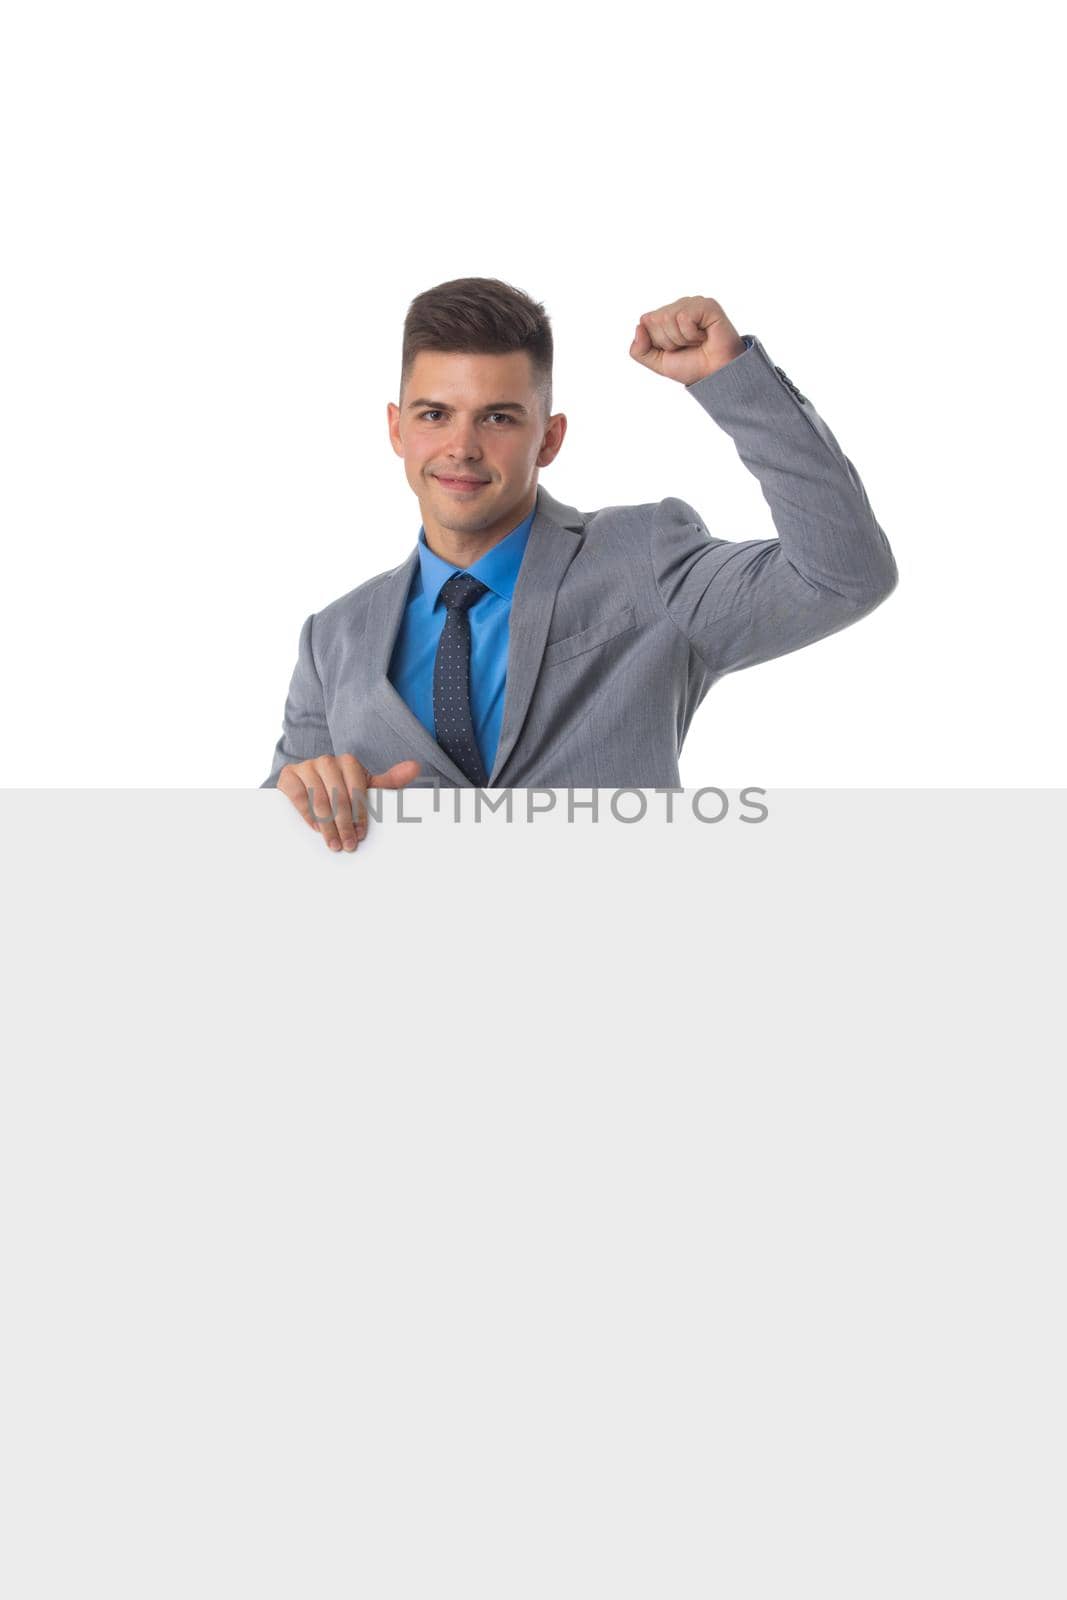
column 356, row 781
column 346, row 778
column 329, row 801
column 643, row 350
column 669, row 333
column 658, row 325
column 292, row 786
column 401, row 773
column 640, row 344
column 705, row 311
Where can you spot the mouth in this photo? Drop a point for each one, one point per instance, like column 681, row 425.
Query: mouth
column 462, row 485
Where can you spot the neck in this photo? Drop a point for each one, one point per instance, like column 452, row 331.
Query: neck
column 462, row 547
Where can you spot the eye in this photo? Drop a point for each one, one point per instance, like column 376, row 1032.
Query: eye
column 434, row 412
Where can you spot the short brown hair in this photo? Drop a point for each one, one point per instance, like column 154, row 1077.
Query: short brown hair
column 480, row 316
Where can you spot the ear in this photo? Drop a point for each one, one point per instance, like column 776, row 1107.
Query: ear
column 393, row 419
column 553, row 440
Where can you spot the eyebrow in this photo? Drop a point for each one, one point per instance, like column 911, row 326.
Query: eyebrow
column 497, row 405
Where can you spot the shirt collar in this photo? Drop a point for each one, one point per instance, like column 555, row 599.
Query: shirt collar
column 498, row 569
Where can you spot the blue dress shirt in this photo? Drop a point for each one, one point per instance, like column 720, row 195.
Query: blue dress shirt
column 411, row 667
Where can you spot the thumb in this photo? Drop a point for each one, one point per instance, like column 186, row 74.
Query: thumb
column 641, row 345
column 397, row 776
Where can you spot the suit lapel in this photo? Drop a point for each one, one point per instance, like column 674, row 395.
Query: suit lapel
column 551, row 548
column 383, row 624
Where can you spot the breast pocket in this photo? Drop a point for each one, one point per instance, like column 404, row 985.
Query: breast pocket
column 575, row 644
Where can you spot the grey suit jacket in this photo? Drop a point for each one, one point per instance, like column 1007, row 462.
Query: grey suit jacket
column 623, row 618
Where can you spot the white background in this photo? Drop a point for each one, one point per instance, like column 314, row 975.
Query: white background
column 216, row 216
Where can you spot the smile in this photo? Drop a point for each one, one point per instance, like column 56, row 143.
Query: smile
column 462, row 485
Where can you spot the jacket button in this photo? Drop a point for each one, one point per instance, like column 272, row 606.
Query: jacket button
column 790, row 385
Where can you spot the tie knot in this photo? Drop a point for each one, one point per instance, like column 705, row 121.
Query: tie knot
column 461, row 591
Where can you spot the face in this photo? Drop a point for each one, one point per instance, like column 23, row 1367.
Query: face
column 472, row 435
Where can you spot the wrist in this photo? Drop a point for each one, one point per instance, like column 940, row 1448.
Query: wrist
column 731, row 354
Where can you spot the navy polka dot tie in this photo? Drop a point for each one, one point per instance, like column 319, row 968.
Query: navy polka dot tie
column 451, row 679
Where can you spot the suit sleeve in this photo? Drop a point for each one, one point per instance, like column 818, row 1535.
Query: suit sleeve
column 305, row 731
column 743, row 602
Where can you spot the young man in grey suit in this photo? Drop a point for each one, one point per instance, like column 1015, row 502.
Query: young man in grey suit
column 524, row 643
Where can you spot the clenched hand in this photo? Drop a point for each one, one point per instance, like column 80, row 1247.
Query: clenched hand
column 687, row 340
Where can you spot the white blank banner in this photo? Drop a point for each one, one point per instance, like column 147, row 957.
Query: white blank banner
column 533, row 1208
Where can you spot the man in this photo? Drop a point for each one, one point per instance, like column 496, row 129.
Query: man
column 524, row 643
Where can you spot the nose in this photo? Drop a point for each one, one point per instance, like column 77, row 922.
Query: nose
column 462, row 444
